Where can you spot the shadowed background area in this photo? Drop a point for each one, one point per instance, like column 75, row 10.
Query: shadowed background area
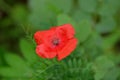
column 97, row 26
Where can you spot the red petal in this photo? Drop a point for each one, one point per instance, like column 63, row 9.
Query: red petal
column 45, row 52
column 38, row 36
column 68, row 29
column 41, row 36
column 69, row 47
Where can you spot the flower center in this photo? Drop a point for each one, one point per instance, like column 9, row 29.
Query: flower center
column 55, row 41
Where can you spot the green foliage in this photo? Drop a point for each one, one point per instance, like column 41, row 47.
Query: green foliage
column 84, row 30
column 82, row 16
column 110, row 41
column 88, row 5
column 28, row 68
column 97, row 28
column 10, row 58
column 107, row 24
column 63, row 19
column 40, row 15
column 28, row 50
column 17, row 67
column 108, row 7
column 105, row 69
column 57, row 5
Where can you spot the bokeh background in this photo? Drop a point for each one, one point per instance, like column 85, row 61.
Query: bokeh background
column 97, row 25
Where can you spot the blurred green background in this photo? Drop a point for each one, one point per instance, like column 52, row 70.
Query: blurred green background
column 97, row 25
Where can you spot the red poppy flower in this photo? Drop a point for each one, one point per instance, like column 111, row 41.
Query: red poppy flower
column 58, row 41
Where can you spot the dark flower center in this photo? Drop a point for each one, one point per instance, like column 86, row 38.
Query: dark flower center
column 55, row 41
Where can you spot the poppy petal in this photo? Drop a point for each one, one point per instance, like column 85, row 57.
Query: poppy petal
column 38, row 36
column 68, row 29
column 69, row 47
column 45, row 52
column 41, row 36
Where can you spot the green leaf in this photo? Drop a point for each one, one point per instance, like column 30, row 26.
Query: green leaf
column 111, row 40
column 41, row 17
column 15, row 61
column 75, row 63
column 88, row 5
column 59, row 5
column 111, row 2
column 70, row 63
column 18, row 67
column 64, row 19
column 101, row 66
column 28, row 50
column 11, row 72
column 83, row 30
column 39, row 22
column 112, row 74
column 82, row 16
column 107, row 24
column 108, row 9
